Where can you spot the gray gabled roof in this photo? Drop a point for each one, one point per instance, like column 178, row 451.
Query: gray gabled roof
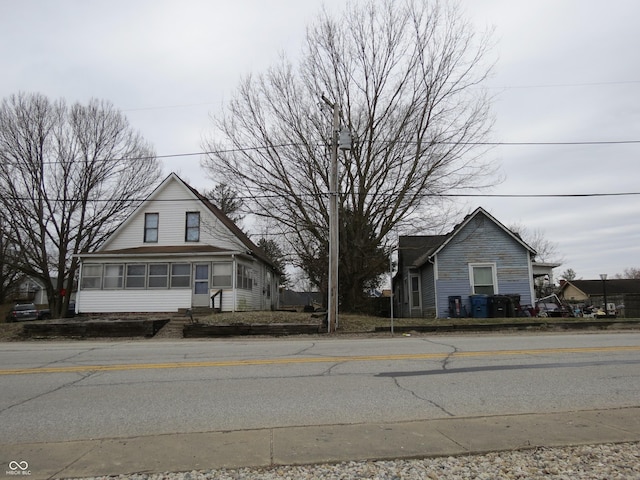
column 433, row 244
column 417, row 246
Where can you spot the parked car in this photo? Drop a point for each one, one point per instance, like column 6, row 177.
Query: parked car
column 22, row 312
column 45, row 314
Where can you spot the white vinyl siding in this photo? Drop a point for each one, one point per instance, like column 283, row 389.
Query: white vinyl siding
column 167, row 287
column 171, row 206
column 133, row 301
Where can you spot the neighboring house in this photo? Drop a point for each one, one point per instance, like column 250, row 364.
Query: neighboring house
column 32, row 290
column 175, row 251
column 480, row 256
column 592, row 291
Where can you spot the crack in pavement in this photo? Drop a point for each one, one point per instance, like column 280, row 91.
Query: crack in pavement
column 55, row 475
column 328, row 371
column 60, row 360
column 303, row 350
column 431, row 402
column 60, row 387
column 448, row 358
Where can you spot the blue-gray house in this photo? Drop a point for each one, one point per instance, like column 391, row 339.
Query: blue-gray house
column 446, row 275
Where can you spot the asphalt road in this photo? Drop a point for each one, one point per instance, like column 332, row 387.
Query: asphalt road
column 59, row 391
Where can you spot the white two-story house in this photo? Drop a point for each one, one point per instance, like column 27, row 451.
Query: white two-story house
column 176, row 250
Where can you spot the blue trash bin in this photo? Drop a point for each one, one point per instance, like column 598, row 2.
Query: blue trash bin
column 480, row 306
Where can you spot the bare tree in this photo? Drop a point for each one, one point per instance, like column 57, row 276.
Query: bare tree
column 546, row 250
column 408, row 77
column 68, row 176
column 227, row 200
column 10, row 273
column 629, row 273
column 569, row 275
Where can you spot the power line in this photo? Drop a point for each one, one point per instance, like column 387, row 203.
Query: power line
column 566, row 85
column 492, row 87
column 320, row 144
column 317, row 195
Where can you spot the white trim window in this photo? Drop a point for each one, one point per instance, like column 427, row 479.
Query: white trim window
column 151, row 223
column 483, row 278
column 136, row 275
column 113, row 275
column 221, row 275
column 192, row 229
column 158, row 275
column 180, row 275
column 244, row 277
column 91, row 276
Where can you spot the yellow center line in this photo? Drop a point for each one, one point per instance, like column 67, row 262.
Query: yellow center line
column 301, row 360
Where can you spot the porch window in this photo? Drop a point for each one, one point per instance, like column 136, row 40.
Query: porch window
column 268, row 285
column 221, row 275
column 192, row 233
column 180, row 275
column 158, row 275
column 244, row 278
column 151, row 221
column 91, row 276
column 483, row 278
column 136, row 275
column 113, row 276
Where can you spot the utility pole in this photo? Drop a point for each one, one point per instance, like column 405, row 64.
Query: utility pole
column 332, row 303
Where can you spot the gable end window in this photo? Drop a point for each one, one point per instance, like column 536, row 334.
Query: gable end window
column 151, row 227
column 192, row 233
column 483, row 278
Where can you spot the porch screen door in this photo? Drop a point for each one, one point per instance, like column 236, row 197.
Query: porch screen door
column 200, row 296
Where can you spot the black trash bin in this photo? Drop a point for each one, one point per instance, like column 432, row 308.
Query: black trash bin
column 499, row 306
column 514, row 308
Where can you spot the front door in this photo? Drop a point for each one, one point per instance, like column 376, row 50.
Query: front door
column 200, row 296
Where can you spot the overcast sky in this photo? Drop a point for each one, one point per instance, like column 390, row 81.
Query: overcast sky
column 567, row 72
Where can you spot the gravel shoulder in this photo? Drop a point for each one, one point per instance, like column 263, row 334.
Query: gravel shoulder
column 587, row 462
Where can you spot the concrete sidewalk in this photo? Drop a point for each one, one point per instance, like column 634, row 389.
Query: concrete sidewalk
column 316, row 444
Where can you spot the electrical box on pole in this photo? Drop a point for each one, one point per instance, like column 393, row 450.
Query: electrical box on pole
column 344, row 140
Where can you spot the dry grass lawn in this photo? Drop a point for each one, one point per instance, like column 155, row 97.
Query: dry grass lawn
column 347, row 323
